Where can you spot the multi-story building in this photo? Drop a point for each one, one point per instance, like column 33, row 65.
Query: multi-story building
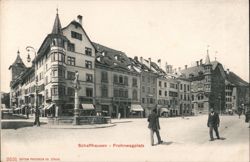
column 185, row 96
column 117, row 84
column 167, row 95
column 148, row 74
column 62, row 53
column 207, row 85
column 236, row 93
column 112, row 83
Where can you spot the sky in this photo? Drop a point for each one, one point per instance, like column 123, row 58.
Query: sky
column 176, row 31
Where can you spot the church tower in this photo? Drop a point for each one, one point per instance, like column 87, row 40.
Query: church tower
column 17, row 67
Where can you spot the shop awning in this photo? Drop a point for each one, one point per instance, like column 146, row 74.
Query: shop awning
column 48, row 107
column 136, row 108
column 164, row 110
column 88, row 106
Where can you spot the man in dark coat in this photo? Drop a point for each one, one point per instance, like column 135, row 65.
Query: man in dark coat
column 213, row 124
column 154, row 127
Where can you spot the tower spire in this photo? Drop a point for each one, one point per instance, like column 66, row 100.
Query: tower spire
column 57, row 28
column 207, row 61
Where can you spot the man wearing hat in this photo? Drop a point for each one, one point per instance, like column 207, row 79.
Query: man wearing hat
column 213, row 124
column 154, row 126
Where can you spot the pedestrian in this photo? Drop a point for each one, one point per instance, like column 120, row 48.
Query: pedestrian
column 239, row 113
column 37, row 115
column 154, row 126
column 247, row 119
column 213, row 124
column 27, row 112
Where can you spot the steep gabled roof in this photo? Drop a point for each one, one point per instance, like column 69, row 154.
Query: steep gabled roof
column 75, row 23
column 112, row 58
column 18, row 61
column 235, row 79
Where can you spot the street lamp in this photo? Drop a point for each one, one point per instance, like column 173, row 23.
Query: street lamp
column 28, row 49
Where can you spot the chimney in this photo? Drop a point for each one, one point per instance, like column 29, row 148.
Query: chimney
column 201, row 62
column 149, row 59
column 79, row 18
column 197, row 63
column 136, row 58
column 228, row 71
column 179, row 68
column 186, row 66
column 141, row 59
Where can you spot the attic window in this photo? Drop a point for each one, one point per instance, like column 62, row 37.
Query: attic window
column 76, row 35
column 200, row 73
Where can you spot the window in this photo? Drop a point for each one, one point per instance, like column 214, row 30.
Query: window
column 54, row 90
column 71, row 61
column 200, row 105
column 88, row 64
column 135, row 95
column 120, row 79
column 71, row 75
column 115, row 78
column 71, row 47
column 143, row 100
column 188, row 88
column 143, row 79
column 57, row 57
column 151, row 100
column 104, row 76
column 181, row 86
column 126, row 80
column 153, row 90
column 88, row 51
column 159, row 83
column 148, row 79
column 104, row 91
column 143, row 89
column 89, row 92
column 160, row 92
column 165, row 84
column 173, row 94
column 61, row 90
column 89, row 78
column 134, row 82
column 116, row 93
column 76, row 35
column 61, row 72
column 185, row 87
column 172, row 85
column 166, row 93
column 148, row 90
column 70, row 91
column 54, row 73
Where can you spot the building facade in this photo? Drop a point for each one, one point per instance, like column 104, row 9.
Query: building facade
column 50, row 80
column 117, row 84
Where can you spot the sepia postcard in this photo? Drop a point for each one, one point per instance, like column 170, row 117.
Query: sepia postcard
column 124, row 81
